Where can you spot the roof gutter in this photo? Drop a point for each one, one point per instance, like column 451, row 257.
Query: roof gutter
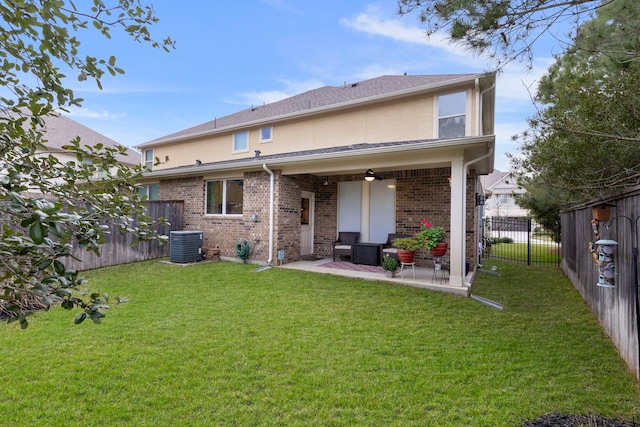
column 312, row 111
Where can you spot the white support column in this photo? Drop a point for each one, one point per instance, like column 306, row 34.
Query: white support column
column 457, row 235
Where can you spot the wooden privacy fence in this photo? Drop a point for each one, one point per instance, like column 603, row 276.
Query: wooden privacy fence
column 615, row 308
column 118, row 249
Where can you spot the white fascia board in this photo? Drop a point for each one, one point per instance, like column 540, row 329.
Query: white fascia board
column 254, row 163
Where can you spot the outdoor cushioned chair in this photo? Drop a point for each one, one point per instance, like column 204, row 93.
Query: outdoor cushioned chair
column 388, row 249
column 342, row 246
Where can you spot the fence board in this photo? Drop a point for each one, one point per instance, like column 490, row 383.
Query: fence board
column 615, row 308
column 118, row 248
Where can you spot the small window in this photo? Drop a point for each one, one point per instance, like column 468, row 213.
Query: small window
column 504, row 199
column 240, row 142
column 224, row 197
column 266, row 134
column 452, row 115
column 148, row 159
column 151, row 192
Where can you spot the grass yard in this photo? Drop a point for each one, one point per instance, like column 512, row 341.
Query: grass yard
column 541, row 253
column 218, row 344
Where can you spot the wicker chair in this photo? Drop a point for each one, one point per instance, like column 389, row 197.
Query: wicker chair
column 342, row 246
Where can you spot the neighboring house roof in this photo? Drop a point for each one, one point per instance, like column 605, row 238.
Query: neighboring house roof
column 59, row 130
column 497, row 181
column 318, row 100
column 494, row 178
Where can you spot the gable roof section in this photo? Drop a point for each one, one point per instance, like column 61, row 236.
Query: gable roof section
column 494, row 178
column 60, row 129
column 319, row 100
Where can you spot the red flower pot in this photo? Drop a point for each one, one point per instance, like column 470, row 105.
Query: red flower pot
column 405, row 255
column 440, row 249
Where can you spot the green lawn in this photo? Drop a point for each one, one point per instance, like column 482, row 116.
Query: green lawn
column 218, row 344
column 540, row 253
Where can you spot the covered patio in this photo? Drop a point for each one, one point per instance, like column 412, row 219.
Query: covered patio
column 425, row 277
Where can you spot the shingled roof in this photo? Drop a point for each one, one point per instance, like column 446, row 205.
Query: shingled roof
column 60, row 129
column 318, row 98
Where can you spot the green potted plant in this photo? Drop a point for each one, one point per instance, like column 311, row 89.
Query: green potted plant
column 432, row 237
column 390, row 265
column 407, row 247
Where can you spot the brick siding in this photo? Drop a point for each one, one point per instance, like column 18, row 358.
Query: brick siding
column 419, row 194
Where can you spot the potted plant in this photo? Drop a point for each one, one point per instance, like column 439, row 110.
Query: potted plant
column 390, row 265
column 407, row 247
column 432, row 237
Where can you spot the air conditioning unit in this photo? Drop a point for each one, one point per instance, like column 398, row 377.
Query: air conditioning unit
column 185, row 246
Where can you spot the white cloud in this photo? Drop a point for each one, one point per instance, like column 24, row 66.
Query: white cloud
column 504, row 132
column 372, row 22
column 290, row 88
column 377, row 70
column 518, row 84
column 91, row 114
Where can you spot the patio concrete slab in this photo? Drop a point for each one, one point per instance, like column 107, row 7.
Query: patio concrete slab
column 424, row 277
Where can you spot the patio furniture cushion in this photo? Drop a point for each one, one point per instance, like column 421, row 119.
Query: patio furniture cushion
column 342, row 246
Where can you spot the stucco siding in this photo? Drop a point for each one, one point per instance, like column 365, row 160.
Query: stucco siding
column 405, row 121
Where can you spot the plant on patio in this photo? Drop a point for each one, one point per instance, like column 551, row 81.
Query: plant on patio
column 407, row 243
column 429, row 235
column 389, row 264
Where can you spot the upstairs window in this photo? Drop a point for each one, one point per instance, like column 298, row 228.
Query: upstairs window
column 148, row 159
column 241, row 142
column 224, row 197
column 266, row 134
column 452, row 115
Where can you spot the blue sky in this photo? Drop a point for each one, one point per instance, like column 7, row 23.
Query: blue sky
column 231, row 55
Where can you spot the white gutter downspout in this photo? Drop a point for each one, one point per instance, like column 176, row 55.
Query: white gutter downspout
column 271, row 192
column 465, row 167
column 478, row 119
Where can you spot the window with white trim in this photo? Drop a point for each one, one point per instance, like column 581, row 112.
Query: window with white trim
column 266, row 134
column 241, row 142
column 224, row 197
column 148, row 159
column 452, row 115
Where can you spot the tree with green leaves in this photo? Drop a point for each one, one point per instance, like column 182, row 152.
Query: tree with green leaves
column 584, row 141
column 47, row 206
column 504, row 30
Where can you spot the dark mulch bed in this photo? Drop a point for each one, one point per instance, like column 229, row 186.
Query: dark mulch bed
column 577, row 421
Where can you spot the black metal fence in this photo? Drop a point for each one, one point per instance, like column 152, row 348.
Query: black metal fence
column 520, row 240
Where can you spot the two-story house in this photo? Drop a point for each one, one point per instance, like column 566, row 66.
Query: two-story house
column 501, row 190
column 375, row 156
